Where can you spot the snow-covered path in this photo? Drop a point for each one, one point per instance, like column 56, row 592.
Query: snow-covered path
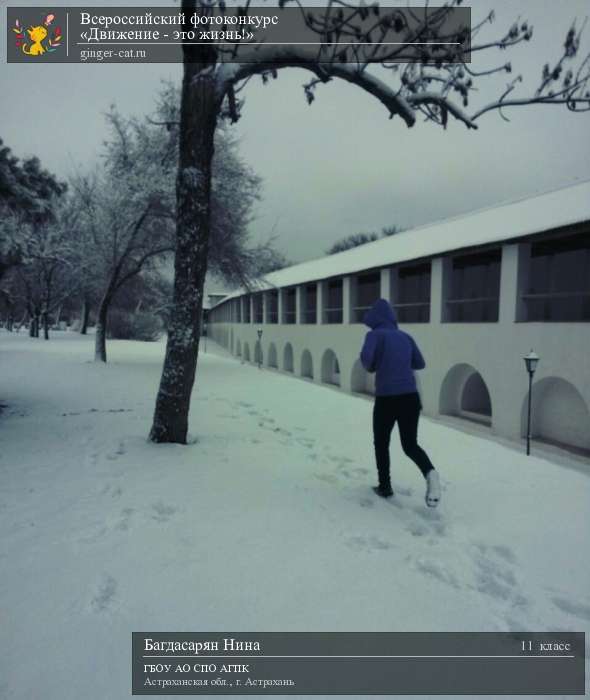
column 265, row 523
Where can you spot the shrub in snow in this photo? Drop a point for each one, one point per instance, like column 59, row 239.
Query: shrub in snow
column 124, row 325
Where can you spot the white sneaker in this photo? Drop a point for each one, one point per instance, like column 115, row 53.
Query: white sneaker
column 432, row 489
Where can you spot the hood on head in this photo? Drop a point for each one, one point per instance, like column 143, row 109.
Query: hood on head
column 380, row 314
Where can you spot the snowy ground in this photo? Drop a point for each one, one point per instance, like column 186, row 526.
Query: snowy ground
column 265, row 523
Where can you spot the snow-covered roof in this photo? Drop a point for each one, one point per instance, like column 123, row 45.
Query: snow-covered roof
column 212, row 299
column 544, row 212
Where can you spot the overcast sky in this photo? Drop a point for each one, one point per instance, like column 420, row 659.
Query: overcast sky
column 341, row 165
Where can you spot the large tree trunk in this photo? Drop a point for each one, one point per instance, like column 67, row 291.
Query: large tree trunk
column 45, row 317
column 199, row 112
column 85, row 315
column 100, row 339
column 34, row 327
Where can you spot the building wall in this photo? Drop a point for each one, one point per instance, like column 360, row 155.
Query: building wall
column 453, row 353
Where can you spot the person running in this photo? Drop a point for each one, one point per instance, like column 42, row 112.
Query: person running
column 393, row 355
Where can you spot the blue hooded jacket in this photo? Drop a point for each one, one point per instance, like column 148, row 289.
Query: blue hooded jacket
column 389, row 352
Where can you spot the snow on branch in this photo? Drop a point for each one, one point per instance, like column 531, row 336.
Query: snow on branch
column 353, row 44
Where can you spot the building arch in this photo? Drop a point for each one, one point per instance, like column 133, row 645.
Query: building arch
column 246, row 352
column 559, row 414
column 361, row 381
column 272, row 356
column 288, row 358
column 238, row 348
column 306, row 365
column 330, row 369
column 464, row 393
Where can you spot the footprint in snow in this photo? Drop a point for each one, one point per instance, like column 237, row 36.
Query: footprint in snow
column 417, row 530
column 433, row 518
column 281, row 431
column 352, row 472
column 162, row 512
column 123, row 521
column 113, row 491
column 505, row 552
column 328, row 478
column 104, row 594
column 572, row 607
column 499, row 550
column 403, row 491
column 91, row 457
column 437, row 570
column 335, row 458
column 495, row 577
column 372, row 543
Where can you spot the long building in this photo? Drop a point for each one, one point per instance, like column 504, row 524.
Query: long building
column 477, row 292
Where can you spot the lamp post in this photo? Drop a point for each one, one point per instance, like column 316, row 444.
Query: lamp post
column 259, row 333
column 205, row 336
column 531, row 361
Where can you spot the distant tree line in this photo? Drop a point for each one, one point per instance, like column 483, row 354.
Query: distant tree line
column 357, row 239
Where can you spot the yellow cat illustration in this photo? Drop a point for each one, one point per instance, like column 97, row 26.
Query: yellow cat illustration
column 37, row 35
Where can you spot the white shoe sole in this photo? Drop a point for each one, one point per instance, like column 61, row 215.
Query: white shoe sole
column 432, row 497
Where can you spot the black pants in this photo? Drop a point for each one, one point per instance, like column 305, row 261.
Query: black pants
column 405, row 409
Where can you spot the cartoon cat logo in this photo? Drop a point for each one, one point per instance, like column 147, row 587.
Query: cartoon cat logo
column 32, row 45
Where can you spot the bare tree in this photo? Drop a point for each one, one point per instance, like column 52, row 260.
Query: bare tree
column 437, row 87
column 356, row 239
column 352, row 241
column 127, row 218
column 48, row 273
column 130, row 207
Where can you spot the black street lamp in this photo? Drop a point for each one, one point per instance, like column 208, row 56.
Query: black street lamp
column 531, row 361
column 205, row 336
column 259, row 333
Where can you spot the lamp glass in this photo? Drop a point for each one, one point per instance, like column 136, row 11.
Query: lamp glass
column 531, row 361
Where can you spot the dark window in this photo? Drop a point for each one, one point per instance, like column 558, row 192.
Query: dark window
column 258, row 308
column 333, row 307
column 273, row 306
column 368, row 290
column 246, row 301
column 559, row 280
column 475, row 288
column 311, row 299
column 290, row 299
column 412, row 302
